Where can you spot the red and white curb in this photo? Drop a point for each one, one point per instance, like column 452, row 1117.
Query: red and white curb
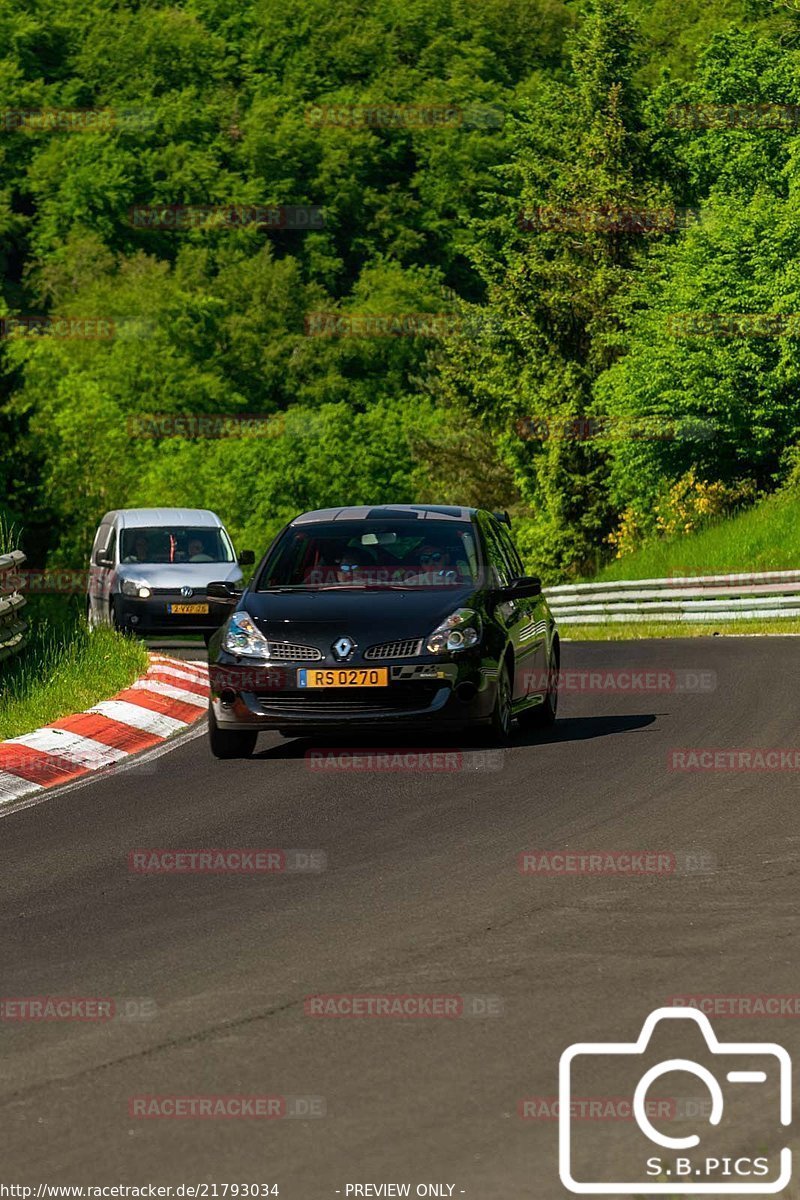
column 167, row 699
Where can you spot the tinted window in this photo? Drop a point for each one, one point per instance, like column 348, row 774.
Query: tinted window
column 511, row 552
column 374, row 553
column 501, row 569
column 175, row 544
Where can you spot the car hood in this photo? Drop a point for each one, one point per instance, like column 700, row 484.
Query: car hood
column 367, row 616
column 178, row 575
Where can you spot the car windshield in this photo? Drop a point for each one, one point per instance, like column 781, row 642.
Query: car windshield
column 373, row 554
column 175, row 544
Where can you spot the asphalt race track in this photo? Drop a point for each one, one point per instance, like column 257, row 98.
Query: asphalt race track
column 422, row 895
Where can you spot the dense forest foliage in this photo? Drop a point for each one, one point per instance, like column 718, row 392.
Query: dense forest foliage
column 533, row 174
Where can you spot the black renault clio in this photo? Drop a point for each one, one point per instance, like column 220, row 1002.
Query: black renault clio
column 410, row 616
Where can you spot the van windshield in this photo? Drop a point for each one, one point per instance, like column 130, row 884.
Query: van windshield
column 175, row 544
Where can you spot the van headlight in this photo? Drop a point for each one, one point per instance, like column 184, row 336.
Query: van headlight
column 242, row 637
column 136, row 587
column 459, row 631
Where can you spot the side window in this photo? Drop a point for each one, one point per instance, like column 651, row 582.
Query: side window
column 111, row 549
column 512, row 554
column 499, row 566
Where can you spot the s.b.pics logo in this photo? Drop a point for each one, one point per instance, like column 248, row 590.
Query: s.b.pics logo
column 723, row 1146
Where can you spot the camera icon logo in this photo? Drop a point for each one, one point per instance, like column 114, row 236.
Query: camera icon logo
column 656, row 1162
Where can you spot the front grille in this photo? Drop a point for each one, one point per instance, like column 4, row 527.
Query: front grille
column 407, row 649
column 292, row 652
column 344, row 700
column 175, row 592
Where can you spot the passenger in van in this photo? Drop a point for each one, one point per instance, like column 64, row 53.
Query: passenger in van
column 197, row 551
column 140, row 551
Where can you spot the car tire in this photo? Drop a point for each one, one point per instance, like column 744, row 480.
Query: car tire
column 114, row 617
column 230, row 743
column 543, row 716
column 207, row 636
column 500, row 723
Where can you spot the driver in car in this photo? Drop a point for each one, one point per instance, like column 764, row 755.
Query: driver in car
column 437, row 565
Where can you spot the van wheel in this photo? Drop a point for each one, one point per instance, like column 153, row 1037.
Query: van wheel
column 113, row 617
column 229, row 743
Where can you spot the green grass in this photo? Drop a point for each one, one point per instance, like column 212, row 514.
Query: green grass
column 64, row 669
column 620, row 631
column 765, row 537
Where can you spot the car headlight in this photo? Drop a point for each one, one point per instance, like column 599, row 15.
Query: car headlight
column 136, row 587
column 242, row 637
column 459, row 631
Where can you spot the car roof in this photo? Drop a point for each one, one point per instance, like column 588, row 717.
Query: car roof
column 379, row 512
column 136, row 518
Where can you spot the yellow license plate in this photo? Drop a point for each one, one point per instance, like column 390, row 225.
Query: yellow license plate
column 186, row 609
column 343, row 677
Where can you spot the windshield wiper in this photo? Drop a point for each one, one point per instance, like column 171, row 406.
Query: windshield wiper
column 289, row 587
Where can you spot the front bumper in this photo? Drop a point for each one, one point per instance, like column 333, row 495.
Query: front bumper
column 420, row 693
column 151, row 617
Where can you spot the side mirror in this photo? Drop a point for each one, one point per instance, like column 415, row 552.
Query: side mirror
column 520, row 589
column 105, row 562
column 223, row 592
column 247, row 558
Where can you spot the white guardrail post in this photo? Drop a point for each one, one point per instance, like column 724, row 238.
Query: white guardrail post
column 692, row 598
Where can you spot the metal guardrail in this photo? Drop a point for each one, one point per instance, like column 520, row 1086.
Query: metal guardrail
column 747, row 596
column 13, row 627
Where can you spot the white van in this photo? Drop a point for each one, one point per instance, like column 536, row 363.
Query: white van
column 150, row 567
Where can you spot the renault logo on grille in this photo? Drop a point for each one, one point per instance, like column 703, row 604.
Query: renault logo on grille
column 187, row 591
column 343, row 647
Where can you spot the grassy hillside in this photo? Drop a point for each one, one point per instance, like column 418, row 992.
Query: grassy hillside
column 765, row 537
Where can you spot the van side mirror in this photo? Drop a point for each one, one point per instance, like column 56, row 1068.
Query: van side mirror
column 247, row 558
column 104, row 562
